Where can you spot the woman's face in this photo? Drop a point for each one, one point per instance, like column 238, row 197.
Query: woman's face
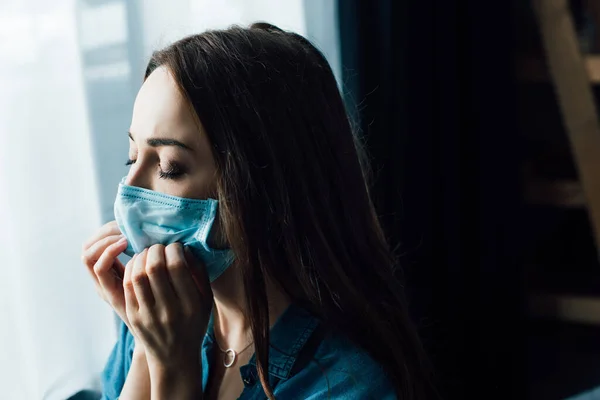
column 168, row 149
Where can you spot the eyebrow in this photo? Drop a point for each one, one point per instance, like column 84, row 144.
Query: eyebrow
column 157, row 142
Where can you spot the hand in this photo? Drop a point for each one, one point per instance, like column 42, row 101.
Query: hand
column 168, row 302
column 99, row 254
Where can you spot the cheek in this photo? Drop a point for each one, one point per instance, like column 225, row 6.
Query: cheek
column 208, row 182
column 199, row 186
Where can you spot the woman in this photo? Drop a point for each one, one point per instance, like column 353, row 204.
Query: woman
column 286, row 289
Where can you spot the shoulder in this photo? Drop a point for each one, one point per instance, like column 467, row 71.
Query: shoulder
column 338, row 370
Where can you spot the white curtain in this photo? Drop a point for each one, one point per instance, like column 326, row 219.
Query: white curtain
column 54, row 329
column 69, row 71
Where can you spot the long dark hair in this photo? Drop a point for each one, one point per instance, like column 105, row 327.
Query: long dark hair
column 293, row 199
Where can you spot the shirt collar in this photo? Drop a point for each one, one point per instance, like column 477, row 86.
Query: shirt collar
column 287, row 337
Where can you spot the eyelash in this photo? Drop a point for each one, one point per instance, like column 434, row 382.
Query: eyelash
column 173, row 172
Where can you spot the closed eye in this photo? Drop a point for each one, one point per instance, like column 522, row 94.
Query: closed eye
column 173, row 171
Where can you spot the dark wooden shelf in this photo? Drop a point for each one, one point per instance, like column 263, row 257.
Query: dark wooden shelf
column 558, row 192
column 531, row 69
column 565, row 307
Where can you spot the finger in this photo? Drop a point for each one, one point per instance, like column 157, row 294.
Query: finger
column 198, row 272
column 160, row 283
column 104, row 266
column 182, row 279
column 131, row 303
column 90, row 258
column 93, row 253
column 118, row 269
column 141, row 284
column 109, row 229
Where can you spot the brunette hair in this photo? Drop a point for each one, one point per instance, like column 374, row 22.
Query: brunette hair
column 293, row 199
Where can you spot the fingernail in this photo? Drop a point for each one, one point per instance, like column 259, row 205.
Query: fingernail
column 122, row 240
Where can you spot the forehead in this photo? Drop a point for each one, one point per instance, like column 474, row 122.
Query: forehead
column 161, row 109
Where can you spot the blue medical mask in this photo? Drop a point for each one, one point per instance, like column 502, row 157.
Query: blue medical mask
column 147, row 217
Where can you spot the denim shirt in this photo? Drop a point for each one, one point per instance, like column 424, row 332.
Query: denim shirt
column 306, row 361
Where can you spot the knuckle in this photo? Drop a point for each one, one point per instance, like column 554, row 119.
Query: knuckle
column 154, row 268
column 128, row 285
column 98, row 268
column 88, row 258
column 166, row 318
column 139, row 277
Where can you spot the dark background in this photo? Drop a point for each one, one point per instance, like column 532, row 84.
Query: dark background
column 432, row 83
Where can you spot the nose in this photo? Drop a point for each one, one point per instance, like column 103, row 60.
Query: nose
column 138, row 176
